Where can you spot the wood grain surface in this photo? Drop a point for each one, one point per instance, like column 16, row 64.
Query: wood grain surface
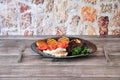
column 33, row 67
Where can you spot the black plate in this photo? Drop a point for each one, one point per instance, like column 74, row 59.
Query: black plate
column 88, row 43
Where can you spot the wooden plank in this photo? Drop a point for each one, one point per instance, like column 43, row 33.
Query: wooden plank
column 8, row 43
column 60, row 78
column 113, row 50
column 113, row 54
column 9, row 51
column 8, row 60
column 62, row 71
column 36, row 60
column 115, row 59
column 5, row 70
column 15, row 43
column 108, row 43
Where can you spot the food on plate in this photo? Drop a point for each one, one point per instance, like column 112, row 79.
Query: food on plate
column 63, row 42
column 41, row 44
column 76, row 50
column 59, row 52
column 62, row 46
column 63, row 39
column 51, row 41
column 72, row 44
column 76, row 47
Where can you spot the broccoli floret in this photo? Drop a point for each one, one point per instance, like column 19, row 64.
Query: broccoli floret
column 76, row 51
column 85, row 50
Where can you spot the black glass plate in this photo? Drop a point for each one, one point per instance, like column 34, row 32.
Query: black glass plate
column 92, row 47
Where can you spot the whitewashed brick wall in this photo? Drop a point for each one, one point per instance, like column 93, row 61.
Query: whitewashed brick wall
column 58, row 17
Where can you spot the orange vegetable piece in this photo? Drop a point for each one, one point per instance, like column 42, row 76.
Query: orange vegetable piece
column 42, row 47
column 41, row 44
column 63, row 39
column 51, row 41
column 52, row 46
column 62, row 44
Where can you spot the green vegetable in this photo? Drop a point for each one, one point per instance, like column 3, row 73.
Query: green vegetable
column 76, row 51
column 85, row 50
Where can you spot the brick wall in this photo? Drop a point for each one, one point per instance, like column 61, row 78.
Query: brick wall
column 58, row 17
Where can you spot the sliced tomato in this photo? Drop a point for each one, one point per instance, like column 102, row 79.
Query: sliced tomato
column 52, row 46
column 39, row 42
column 59, row 45
column 66, row 44
column 62, row 44
column 43, row 47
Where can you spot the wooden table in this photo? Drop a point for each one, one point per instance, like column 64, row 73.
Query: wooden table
column 103, row 65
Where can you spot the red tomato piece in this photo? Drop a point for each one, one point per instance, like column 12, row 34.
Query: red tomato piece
column 65, row 44
column 59, row 45
column 52, row 46
column 42, row 47
column 62, row 44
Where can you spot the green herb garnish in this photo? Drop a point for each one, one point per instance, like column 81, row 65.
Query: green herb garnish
column 78, row 50
column 85, row 50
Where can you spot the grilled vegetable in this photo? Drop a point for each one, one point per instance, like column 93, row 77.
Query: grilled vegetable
column 41, row 45
column 76, row 51
column 51, row 41
column 85, row 50
column 63, row 39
